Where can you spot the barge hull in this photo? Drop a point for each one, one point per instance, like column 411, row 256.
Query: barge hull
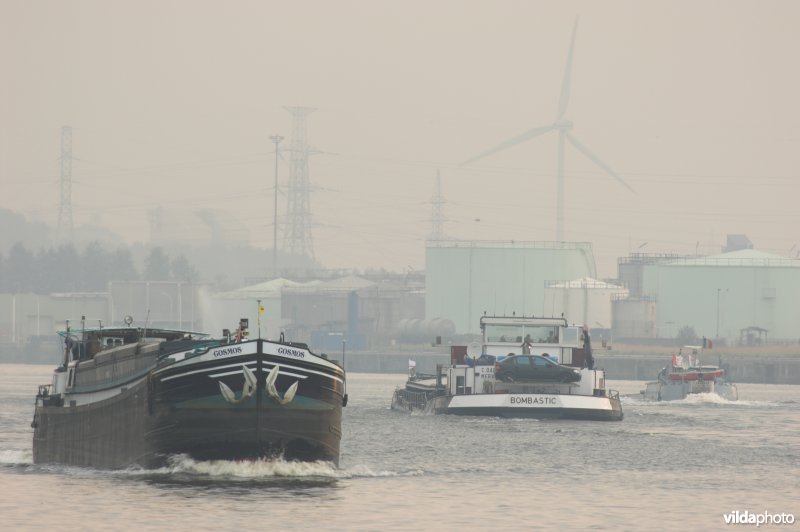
column 534, row 406
column 536, row 413
column 162, row 415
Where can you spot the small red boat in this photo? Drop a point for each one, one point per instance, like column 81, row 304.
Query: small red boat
column 686, row 376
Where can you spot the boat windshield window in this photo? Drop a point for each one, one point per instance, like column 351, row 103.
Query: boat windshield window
column 514, row 334
column 543, row 334
column 510, row 334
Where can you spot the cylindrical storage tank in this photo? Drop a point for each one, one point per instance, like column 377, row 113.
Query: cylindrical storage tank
column 583, row 301
column 442, row 327
column 467, row 279
column 636, row 318
column 417, row 328
column 402, row 327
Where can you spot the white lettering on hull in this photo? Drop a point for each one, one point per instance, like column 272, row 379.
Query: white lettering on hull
column 538, row 401
column 533, row 401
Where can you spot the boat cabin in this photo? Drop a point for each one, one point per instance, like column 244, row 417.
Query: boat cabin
column 504, row 337
column 549, row 337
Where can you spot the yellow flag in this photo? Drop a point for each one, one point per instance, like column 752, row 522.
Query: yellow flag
column 261, row 310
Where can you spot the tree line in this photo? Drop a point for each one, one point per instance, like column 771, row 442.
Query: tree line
column 66, row 269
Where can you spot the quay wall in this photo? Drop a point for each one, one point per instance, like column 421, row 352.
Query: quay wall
column 778, row 365
column 627, row 364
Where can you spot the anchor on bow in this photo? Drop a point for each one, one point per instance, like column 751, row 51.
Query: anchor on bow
column 247, row 391
column 273, row 392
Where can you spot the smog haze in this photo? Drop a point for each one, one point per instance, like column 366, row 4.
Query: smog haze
column 172, row 103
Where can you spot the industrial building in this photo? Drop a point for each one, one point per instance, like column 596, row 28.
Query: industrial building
column 742, row 297
column 29, row 322
column 465, row 279
column 360, row 311
column 223, row 310
column 151, row 303
column 26, row 317
column 584, row 301
column 166, row 304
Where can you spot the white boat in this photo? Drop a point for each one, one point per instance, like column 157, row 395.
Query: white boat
column 686, row 376
column 525, row 367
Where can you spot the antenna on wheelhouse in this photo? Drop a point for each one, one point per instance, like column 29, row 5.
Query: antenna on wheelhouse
column 146, row 321
column 260, row 312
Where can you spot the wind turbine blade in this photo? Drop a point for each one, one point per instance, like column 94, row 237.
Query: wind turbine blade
column 532, row 133
column 592, row 157
column 566, row 84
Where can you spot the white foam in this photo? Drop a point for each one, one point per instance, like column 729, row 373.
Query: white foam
column 245, row 469
column 261, row 468
column 712, row 398
column 705, row 398
column 363, row 471
column 249, row 468
column 14, row 457
column 636, row 399
column 692, row 399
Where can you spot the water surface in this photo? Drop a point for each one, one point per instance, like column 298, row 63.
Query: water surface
column 678, row 466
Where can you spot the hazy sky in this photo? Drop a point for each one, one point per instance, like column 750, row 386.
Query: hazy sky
column 695, row 104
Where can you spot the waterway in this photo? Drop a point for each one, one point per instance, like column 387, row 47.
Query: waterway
column 671, row 466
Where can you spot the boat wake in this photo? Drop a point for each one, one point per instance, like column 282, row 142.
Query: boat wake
column 714, row 399
column 16, row 457
column 363, row 471
column 705, row 398
column 695, row 399
column 259, row 469
column 633, row 399
column 182, row 465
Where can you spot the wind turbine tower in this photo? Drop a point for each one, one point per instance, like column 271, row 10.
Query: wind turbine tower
column 64, row 229
column 297, row 238
column 564, row 129
column 437, row 214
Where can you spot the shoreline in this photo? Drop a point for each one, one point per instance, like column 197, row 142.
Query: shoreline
column 764, row 365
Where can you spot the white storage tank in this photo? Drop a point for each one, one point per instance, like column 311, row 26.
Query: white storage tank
column 465, row 279
column 585, row 301
column 635, row 317
column 720, row 296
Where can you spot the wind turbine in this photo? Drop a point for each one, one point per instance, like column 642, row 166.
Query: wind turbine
column 564, row 128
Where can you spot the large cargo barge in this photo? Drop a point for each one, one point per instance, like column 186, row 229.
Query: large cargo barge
column 132, row 396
